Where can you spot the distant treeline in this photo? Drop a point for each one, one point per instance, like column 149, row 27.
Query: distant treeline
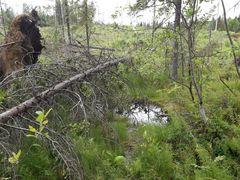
column 48, row 15
column 214, row 24
column 233, row 24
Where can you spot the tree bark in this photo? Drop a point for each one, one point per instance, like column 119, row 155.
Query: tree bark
column 86, row 24
column 193, row 81
column 63, row 21
column 177, row 23
column 67, row 20
column 154, row 20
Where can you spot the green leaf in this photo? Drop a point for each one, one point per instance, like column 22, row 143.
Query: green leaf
column 145, row 134
column 39, row 112
column 41, row 128
column 15, row 157
column 32, row 129
column 219, row 158
column 30, row 135
column 46, row 135
column 45, row 122
column 174, row 89
column 119, row 159
column 40, row 117
column 36, row 145
column 48, row 112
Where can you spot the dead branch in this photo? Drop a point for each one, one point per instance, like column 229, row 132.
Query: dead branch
column 95, row 47
column 9, row 44
column 225, row 84
column 51, row 91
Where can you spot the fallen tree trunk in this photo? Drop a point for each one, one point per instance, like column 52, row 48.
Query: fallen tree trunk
column 14, row 111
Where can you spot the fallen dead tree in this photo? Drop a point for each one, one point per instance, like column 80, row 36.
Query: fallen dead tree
column 14, row 111
column 77, row 86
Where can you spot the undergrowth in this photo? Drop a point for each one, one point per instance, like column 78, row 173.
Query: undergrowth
column 184, row 148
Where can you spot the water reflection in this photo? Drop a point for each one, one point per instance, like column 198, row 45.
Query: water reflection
column 149, row 114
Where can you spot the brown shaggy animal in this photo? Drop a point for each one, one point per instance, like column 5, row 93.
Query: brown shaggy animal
column 27, row 47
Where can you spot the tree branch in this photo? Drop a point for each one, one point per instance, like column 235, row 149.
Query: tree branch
column 49, row 92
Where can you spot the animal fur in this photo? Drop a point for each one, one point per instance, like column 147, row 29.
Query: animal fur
column 27, row 47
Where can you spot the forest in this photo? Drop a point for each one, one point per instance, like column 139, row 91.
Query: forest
column 83, row 99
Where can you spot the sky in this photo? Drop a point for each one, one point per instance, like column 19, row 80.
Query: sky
column 105, row 8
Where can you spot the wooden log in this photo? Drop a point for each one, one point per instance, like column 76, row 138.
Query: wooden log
column 14, row 111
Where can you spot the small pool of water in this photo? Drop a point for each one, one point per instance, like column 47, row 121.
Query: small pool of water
column 146, row 114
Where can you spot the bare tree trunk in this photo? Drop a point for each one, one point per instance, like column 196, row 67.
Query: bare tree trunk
column 3, row 19
column 87, row 25
column 177, row 21
column 216, row 25
column 194, row 82
column 182, row 57
column 67, row 20
column 63, row 21
column 193, row 79
column 56, row 18
column 230, row 39
column 154, row 20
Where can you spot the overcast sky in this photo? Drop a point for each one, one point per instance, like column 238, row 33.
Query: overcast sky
column 105, row 8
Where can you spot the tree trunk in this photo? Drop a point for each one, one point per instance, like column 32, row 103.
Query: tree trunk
column 86, row 24
column 3, row 19
column 230, row 40
column 63, row 21
column 67, row 20
column 154, row 20
column 192, row 75
column 177, row 21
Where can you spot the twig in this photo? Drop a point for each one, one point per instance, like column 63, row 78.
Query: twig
column 9, row 44
column 225, row 84
column 49, row 92
column 93, row 47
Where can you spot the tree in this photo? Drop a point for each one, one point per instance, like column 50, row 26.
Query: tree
column 59, row 18
column 3, row 19
column 177, row 23
column 58, row 12
column 45, row 15
column 67, row 20
column 234, row 24
column 183, row 32
column 7, row 15
column 230, row 40
column 87, row 14
column 166, row 6
column 26, row 8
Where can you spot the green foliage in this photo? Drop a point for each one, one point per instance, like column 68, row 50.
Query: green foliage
column 14, row 159
column 36, row 162
column 87, row 12
column 7, row 14
column 184, row 148
column 42, row 120
column 210, row 169
column 154, row 159
column 99, row 158
column 234, row 24
column 2, row 95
